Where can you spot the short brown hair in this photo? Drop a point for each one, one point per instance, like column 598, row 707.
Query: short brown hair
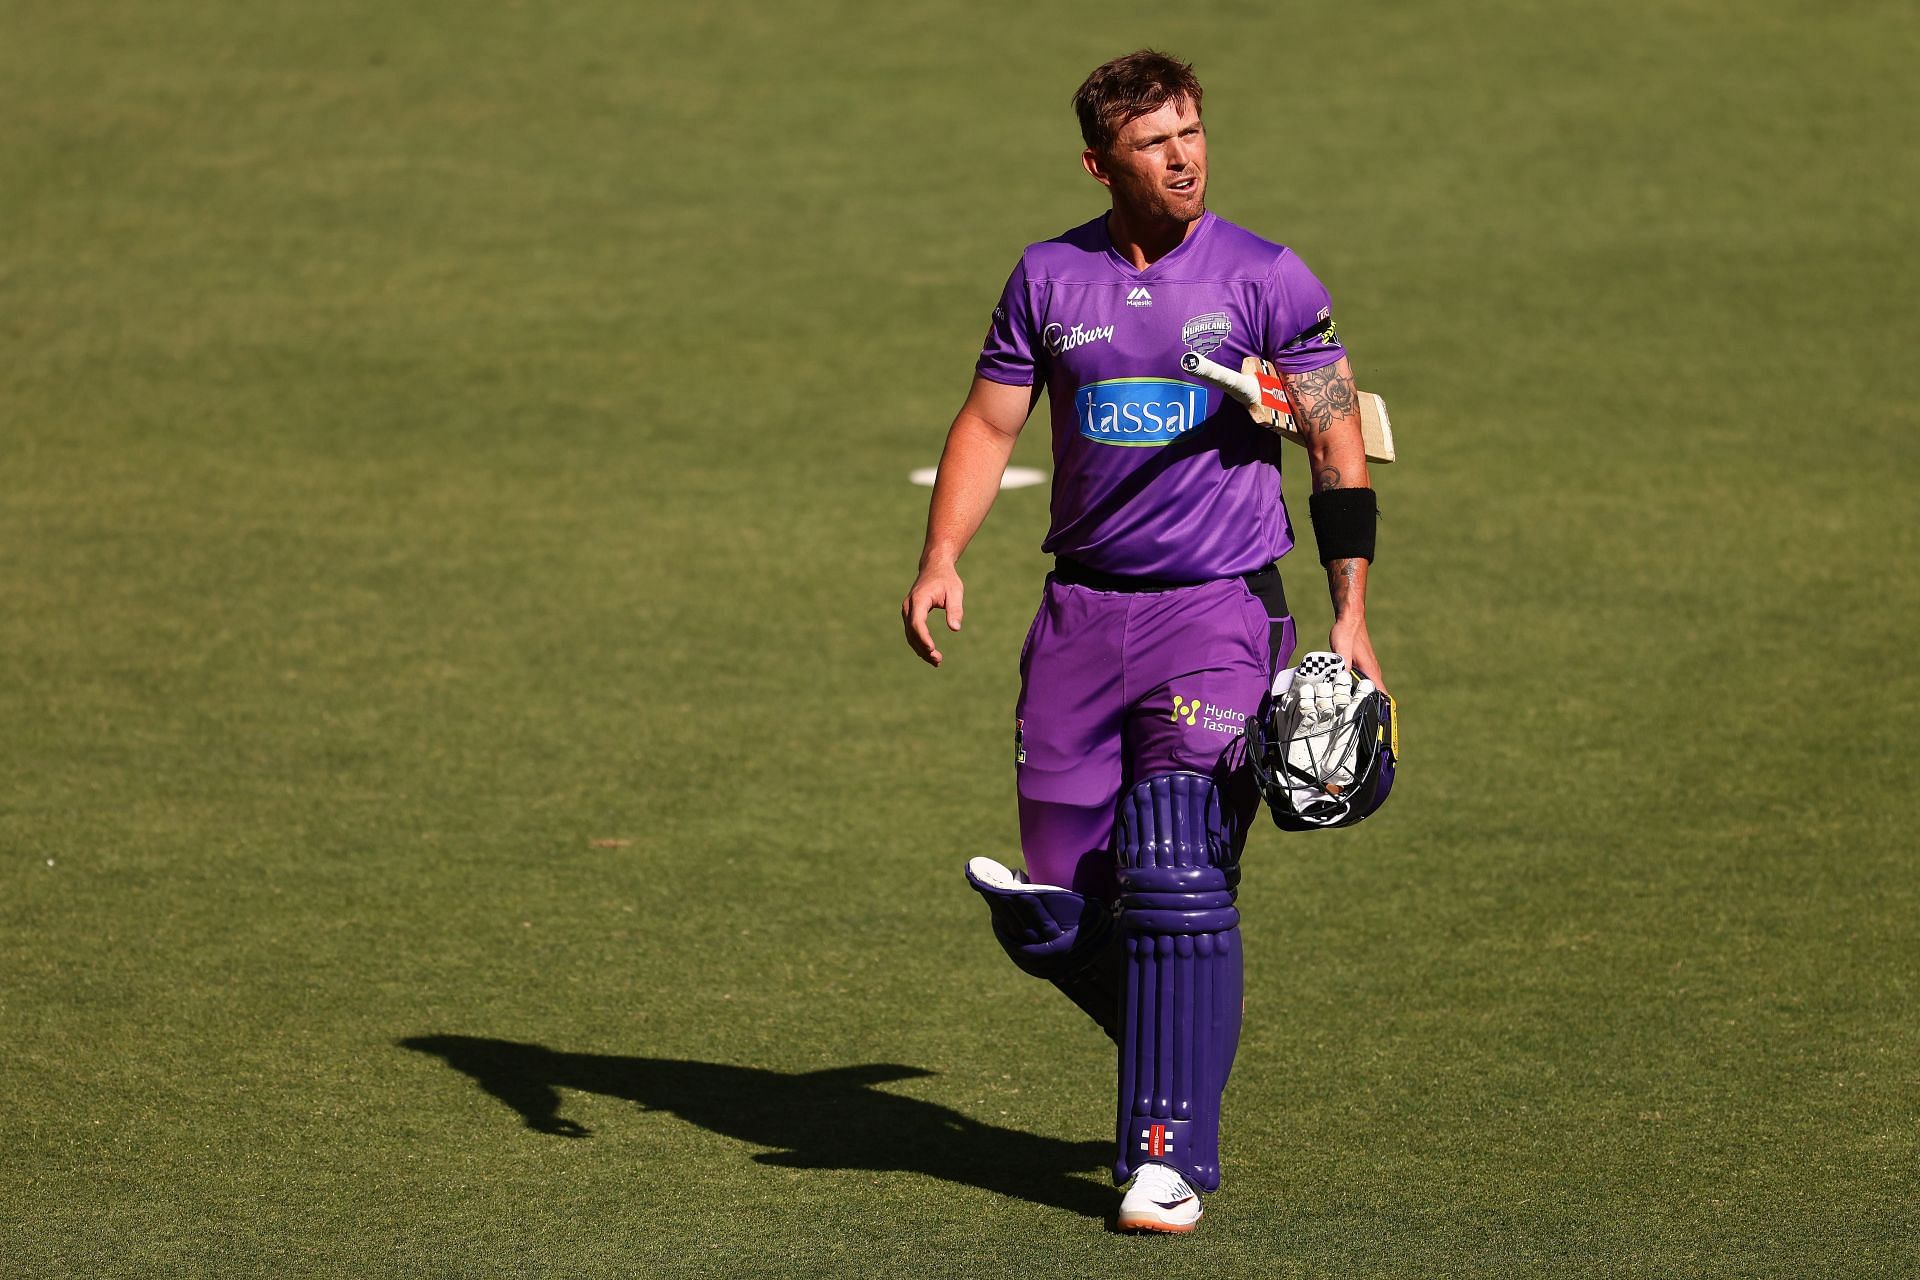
column 1127, row 88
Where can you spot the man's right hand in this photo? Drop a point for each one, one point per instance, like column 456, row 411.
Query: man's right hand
column 937, row 587
column 978, row 446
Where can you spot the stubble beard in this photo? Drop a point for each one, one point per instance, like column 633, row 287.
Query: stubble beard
column 1194, row 207
column 1168, row 207
column 1182, row 213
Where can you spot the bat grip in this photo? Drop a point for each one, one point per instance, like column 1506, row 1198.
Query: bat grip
column 1237, row 385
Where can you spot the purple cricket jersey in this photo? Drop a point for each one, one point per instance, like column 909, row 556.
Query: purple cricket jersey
column 1155, row 473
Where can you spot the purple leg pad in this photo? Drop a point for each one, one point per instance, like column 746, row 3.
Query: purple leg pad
column 1180, row 1014
column 1064, row 937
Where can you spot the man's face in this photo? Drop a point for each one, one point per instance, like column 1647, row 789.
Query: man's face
column 1157, row 165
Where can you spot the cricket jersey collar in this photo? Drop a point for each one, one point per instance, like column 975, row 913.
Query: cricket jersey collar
column 1127, row 269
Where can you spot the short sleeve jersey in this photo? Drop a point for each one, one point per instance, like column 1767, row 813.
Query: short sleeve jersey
column 1155, row 473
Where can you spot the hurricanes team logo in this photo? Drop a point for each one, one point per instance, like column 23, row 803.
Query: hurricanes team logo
column 1204, row 334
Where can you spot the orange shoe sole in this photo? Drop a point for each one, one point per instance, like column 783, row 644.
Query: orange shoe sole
column 1154, row 1226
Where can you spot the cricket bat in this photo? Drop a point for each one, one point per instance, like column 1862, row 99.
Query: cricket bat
column 1258, row 387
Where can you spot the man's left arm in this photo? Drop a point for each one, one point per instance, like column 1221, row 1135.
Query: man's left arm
column 1326, row 410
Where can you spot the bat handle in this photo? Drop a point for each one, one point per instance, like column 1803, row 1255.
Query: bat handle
column 1242, row 388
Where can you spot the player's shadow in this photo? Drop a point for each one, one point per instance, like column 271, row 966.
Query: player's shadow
column 832, row 1119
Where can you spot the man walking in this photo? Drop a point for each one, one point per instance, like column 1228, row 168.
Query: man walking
column 1163, row 620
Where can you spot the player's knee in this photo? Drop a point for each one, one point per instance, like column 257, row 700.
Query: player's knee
column 1047, row 931
column 1176, row 859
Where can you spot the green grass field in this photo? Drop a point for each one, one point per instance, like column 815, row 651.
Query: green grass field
column 468, row 809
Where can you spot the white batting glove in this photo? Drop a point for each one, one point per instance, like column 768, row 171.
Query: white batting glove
column 1318, row 697
column 1344, row 738
column 1309, row 714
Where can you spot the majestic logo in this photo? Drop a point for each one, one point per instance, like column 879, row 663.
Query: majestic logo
column 1139, row 411
column 1205, row 333
column 1060, row 339
column 1140, row 297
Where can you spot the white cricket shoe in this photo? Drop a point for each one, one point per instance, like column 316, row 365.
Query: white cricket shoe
column 1160, row 1199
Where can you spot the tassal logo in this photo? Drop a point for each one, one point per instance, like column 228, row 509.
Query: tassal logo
column 1139, row 411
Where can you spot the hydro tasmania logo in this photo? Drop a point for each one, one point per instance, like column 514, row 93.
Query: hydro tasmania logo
column 1213, row 719
column 1140, row 297
column 1139, row 411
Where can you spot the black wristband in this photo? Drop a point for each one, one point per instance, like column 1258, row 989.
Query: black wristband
column 1343, row 523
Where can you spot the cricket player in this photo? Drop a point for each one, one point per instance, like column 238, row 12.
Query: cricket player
column 1163, row 620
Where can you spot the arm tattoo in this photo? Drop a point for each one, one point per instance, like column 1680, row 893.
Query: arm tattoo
column 1320, row 397
column 1328, row 478
column 1340, row 576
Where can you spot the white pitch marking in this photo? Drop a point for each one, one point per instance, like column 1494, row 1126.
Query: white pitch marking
column 1012, row 478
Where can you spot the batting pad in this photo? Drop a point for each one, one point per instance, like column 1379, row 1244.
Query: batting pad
column 1057, row 934
column 1180, row 1015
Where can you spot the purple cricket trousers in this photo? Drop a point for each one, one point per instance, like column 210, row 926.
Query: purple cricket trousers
column 1117, row 686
